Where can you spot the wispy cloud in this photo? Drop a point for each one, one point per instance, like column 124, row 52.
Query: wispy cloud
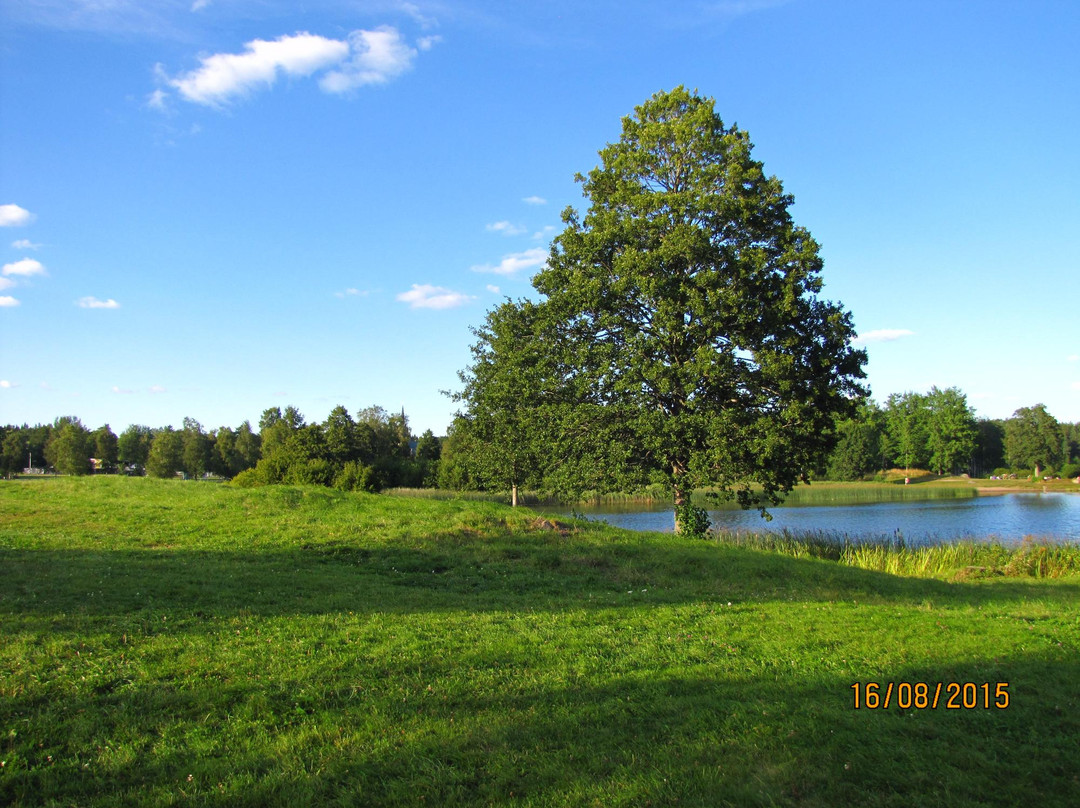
column 364, row 57
column 541, row 234
column 375, row 58
column 8, row 302
column 506, row 228
column 14, row 216
column 94, row 303
column 199, row 5
column 1075, row 385
column 155, row 389
column 351, row 292
column 121, row 391
column 1072, row 358
column 534, row 200
column 6, row 283
column 425, row 296
column 6, row 385
column 495, row 290
column 25, row 244
column 882, row 335
column 25, row 268
column 516, row 262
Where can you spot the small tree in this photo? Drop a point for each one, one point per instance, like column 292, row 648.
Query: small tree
column 69, row 446
column 166, row 455
column 106, row 446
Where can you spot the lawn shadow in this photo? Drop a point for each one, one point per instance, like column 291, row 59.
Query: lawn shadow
column 699, row 740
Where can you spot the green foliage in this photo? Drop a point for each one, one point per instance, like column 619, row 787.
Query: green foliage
column 681, row 338
column 166, row 454
column 905, row 419
column 69, row 446
column 133, row 445
column 950, row 430
column 1032, row 438
column 355, row 476
column 13, row 452
column 105, row 447
column 1070, row 471
column 691, row 521
column 858, row 446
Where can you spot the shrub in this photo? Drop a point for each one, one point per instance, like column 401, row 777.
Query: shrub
column 310, row 472
column 1070, row 471
column 355, row 476
column 248, row 478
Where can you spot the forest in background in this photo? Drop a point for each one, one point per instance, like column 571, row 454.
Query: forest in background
column 374, row 449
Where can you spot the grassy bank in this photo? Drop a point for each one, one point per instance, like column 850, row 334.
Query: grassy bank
column 169, row 643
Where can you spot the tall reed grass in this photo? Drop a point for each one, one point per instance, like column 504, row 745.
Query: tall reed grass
column 963, row 559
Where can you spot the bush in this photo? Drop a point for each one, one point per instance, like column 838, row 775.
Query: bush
column 1070, row 471
column 248, row 478
column 355, row 476
column 311, row 472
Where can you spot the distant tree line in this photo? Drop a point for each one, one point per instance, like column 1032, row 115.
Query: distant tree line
column 938, row 431
column 375, row 450
column 372, row 451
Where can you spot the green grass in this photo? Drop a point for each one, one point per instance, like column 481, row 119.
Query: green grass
column 167, row 643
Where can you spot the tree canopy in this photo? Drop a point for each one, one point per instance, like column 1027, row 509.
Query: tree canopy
column 682, row 333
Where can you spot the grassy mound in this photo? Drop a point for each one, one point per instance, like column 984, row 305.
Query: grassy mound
column 166, row 643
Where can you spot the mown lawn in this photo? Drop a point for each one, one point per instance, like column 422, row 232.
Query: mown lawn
column 169, row 643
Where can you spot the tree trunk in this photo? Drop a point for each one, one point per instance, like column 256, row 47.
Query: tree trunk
column 678, row 488
column 513, row 495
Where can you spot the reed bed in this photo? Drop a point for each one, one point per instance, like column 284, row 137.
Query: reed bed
column 963, row 559
column 863, row 493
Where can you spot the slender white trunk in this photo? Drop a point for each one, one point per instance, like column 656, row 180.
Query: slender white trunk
column 513, row 495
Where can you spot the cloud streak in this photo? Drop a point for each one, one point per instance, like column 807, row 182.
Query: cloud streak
column 94, row 303
column 882, row 335
column 515, row 262
column 425, row 296
column 505, row 228
column 8, row 302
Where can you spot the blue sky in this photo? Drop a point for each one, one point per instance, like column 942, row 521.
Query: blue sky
column 209, row 208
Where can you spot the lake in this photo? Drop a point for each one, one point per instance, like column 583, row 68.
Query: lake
column 1007, row 517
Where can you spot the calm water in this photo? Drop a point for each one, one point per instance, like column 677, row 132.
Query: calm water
column 1008, row 517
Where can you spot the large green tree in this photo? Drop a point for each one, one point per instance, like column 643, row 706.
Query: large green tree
column 906, row 428
column 1033, row 439
column 684, row 316
column 950, row 430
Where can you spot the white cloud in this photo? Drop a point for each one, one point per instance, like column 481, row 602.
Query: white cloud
column 495, row 290
column 375, row 58
column 547, row 231
column 25, row 244
column 6, row 385
column 199, row 5
column 364, row 57
column 156, row 100
column 352, row 293
column 1075, row 385
column 534, row 200
column 882, row 335
column 8, row 302
column 6, row 283
column 14, row 216
column 505, row 228
column 515, row 262
column 94, row 303
column 1073, row 358
column 426, row 43
column 122, row 391
column 225, row 76
column 24, row 267
column 418, row 16
column 425, row 296
column 156, row 388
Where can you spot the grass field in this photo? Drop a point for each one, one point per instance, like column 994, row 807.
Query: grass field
column 167, row 643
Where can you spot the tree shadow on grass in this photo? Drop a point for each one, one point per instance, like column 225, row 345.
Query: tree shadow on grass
column 512, row 574
column 659, row 739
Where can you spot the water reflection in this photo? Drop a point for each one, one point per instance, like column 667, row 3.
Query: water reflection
column 1007, row 517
